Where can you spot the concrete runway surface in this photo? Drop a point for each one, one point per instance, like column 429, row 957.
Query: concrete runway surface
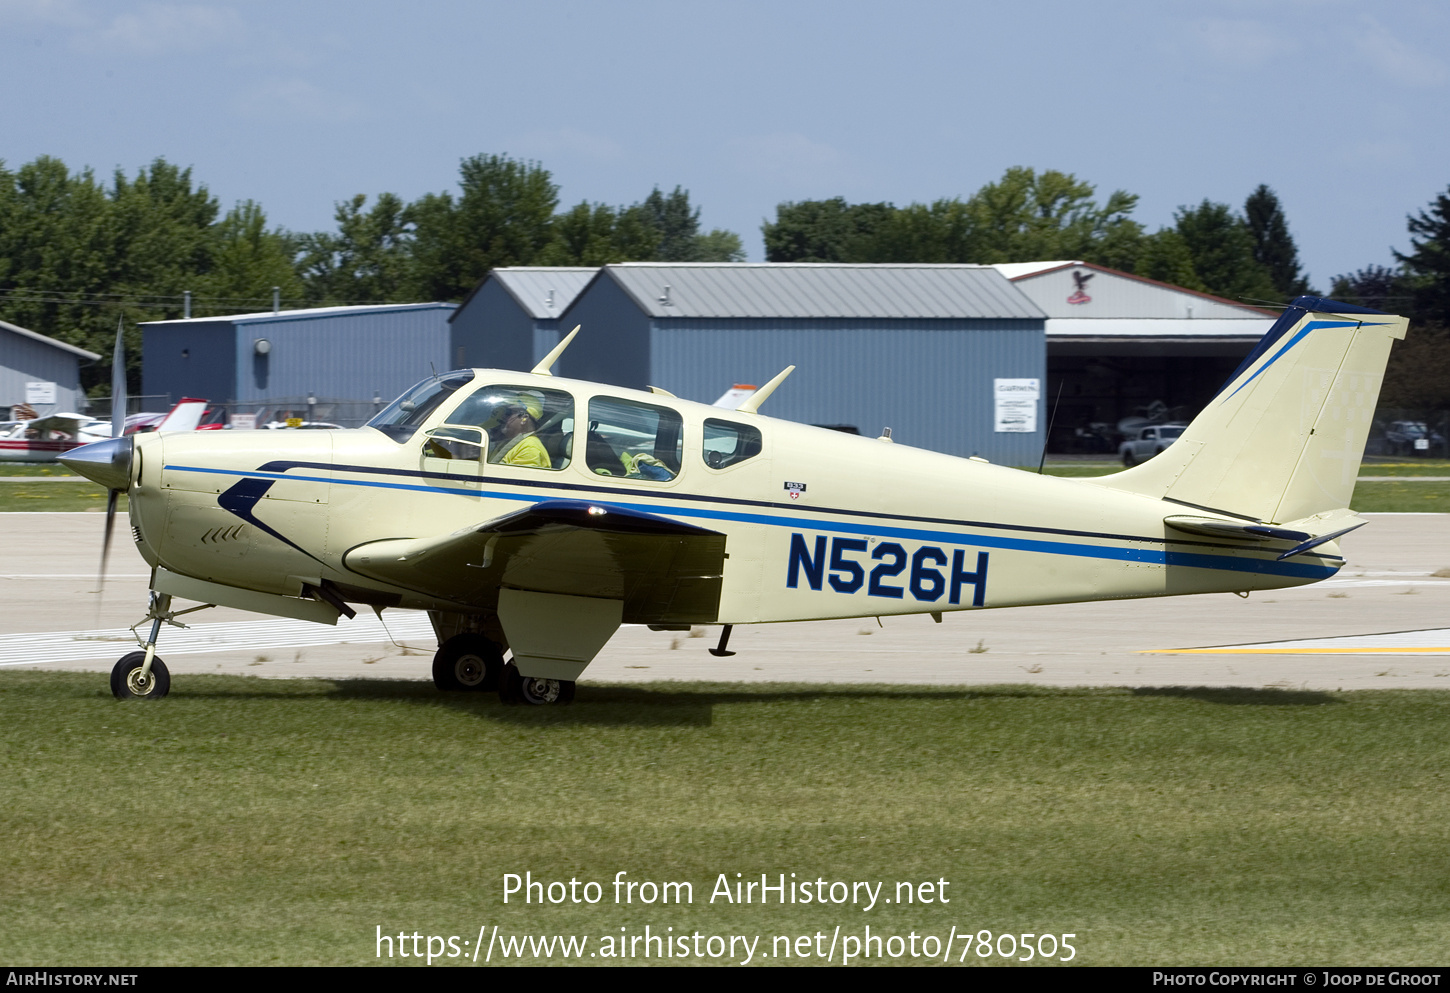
column 53, row 619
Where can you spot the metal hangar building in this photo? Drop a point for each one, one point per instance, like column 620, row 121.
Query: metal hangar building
column 346, row 354
column 49, row 367
column 1121, row 346
column 511, row 319
column 921, row 349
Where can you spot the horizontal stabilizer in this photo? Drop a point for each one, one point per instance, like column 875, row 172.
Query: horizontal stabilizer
column 663, row 570
column 1215, row 527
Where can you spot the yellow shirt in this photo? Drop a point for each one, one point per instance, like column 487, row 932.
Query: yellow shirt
column 527, row 450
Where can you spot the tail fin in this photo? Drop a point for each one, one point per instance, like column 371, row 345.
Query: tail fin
column 1283, row 439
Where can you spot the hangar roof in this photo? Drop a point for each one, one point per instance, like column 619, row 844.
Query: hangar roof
column 43, row 339
column 1117, row 295
column 813, row 290
column 311, row 313
column 544, row 292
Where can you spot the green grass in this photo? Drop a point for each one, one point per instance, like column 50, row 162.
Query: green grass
column 278, row 821
column 34, row 469
column 47, row 496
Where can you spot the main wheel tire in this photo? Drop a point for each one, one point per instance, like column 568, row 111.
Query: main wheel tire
column 533, row 691
column 467, row 663
column 128, row 684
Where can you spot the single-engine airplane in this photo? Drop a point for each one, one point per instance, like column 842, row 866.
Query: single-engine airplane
column 532, row 515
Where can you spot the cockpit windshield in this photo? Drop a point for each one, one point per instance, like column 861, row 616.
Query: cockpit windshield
column 401, row 418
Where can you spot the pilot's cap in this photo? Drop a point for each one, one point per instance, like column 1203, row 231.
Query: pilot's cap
column 530, row 401
column 533, row 402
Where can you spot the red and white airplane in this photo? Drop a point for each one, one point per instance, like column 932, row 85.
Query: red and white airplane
column 44, row 439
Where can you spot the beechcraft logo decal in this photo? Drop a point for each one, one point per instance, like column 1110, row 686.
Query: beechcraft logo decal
column 794, row 490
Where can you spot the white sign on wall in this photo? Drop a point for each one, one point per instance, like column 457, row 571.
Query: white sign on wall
column 40, row 393
column 1015, row 404
column 244, row 422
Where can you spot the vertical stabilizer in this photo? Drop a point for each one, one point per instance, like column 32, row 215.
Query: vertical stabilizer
column 1283, row 439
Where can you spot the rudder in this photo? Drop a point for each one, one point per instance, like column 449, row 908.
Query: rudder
column 1283, row 440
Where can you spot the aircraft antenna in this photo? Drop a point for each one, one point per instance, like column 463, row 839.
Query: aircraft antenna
column 542, row 369
column 752, row 403
column 1050, row 421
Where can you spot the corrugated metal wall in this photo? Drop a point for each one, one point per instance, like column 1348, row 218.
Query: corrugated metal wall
column 491, row 331
column 614, row 343
column 929, row 380
column 196, row 359
column 25, row 360
column 348, row 356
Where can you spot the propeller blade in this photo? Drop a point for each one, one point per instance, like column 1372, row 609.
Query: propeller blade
column 118, row 384
column 112, row 497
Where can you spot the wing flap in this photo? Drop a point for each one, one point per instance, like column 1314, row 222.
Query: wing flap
column 663, row 571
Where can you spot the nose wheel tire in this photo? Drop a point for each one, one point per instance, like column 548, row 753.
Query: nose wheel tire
column 468, row 663
column 533, row 691
column 128, row 683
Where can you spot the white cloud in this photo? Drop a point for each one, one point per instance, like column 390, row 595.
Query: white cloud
column 157, row 29
column 296, row 99
column 1394, row 58
column 1241, row 42
column 47, row 13
column 788, row 155
column 567, row 141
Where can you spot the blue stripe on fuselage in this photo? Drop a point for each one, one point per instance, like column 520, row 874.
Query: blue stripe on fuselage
column 1149, row 556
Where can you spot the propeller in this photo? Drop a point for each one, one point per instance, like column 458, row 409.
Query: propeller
column 118, row 430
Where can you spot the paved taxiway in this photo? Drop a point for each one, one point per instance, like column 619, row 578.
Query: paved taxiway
column 51, row 618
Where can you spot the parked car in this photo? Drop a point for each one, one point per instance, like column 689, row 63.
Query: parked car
column 1149, row 442
column 1412, row 438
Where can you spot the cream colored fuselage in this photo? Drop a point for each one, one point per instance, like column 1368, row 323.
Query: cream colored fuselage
column 819, row 524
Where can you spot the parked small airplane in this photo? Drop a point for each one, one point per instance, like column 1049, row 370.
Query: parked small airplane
column 45, row 439
column 532, row 515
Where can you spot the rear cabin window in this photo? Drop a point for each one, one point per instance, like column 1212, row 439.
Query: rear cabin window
column 524, row 427
column 633, row 440
column 728, row 443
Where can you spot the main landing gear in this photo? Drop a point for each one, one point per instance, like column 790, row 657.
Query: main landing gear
column 142, row 675
column 471, row 662
column 467, row 662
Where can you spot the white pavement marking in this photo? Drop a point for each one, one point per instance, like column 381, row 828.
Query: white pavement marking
column 1431, row 642
column 74, row 646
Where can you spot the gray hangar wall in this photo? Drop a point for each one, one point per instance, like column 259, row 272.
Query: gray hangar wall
column 929, row 380
column 345, row 353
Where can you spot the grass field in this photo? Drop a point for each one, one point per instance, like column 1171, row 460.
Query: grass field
column 283, row 821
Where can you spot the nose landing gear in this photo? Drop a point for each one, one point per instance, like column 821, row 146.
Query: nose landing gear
column 142, row 675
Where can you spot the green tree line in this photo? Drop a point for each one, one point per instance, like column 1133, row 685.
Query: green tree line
column 78, row 255
column 1028, row 216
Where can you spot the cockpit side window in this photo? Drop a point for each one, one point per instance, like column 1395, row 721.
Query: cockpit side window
column 728, row 443
column 525, row 426
column 634, row 440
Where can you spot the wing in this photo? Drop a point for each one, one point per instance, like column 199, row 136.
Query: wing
column 665, row 572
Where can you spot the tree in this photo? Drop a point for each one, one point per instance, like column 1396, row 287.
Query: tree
column 1428, row 266
column 823, row 230
column 368, row 260
column 598, row 234
column 1223, row 252
column 1375, row 286
column 247, row 261
column 1165, row 256
column 719, row 245
column 1023, row 217
column 1274, row 249
column 503, row 216
column 678, row 225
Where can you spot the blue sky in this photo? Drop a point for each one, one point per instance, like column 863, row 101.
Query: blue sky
column 1339, row 105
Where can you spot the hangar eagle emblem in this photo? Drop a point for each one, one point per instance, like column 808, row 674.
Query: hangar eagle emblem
column 531, row 515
